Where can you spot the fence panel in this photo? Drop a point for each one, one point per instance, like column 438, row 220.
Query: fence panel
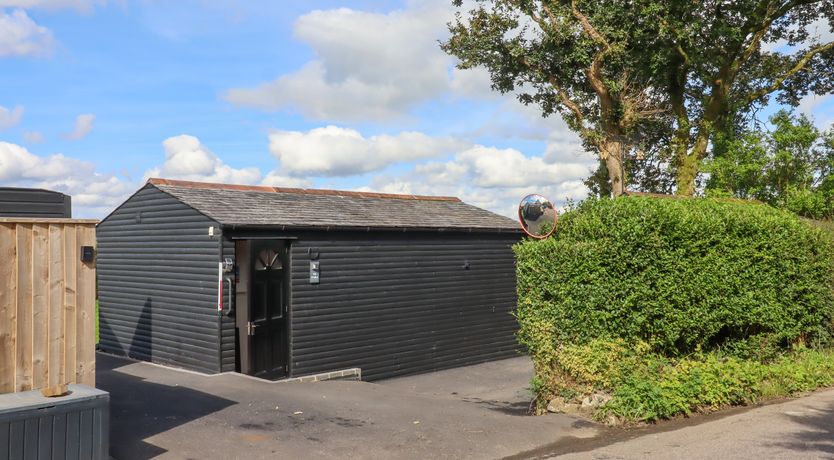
column 47, row 303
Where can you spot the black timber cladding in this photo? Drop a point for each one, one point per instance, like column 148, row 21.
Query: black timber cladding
column 157, row 276
column 228, row 339
column 396, row 296
column 395, row 304
column 30, row 202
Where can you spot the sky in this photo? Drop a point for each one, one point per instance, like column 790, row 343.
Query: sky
column 99, row 95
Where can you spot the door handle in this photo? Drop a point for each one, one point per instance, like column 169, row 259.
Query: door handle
column 229, row 287
column 251, row 328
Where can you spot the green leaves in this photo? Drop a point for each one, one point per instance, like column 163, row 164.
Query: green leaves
column 675, row 306
column 663, row 77
column 789, row 167
column 647, row 386
column 678, row 275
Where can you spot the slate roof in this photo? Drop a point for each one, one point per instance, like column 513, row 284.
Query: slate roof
column 258, row 206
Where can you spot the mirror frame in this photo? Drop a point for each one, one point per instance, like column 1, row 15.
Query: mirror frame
column 521, row 219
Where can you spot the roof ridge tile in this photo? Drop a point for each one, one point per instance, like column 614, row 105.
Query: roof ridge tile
column 300, row 191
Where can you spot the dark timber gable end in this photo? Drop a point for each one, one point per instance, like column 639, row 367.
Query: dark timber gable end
column 157, row 270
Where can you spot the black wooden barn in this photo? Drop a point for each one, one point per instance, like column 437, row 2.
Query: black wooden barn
column 34, row 203
column 282, row 282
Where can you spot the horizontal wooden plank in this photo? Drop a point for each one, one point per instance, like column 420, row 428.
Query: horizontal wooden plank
column 396, row 305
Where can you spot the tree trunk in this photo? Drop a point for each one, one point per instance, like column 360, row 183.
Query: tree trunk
column 687, row 171
column 689, row 163
column 611, row 152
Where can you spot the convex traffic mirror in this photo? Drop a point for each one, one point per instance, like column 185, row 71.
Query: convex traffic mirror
column 537, row 216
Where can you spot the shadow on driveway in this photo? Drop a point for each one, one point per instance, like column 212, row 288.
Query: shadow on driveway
column 137, row 407
column 472, row 412
column 817, row 436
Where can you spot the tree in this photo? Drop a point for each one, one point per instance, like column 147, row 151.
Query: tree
column 790, row 167
column 671, row 74
column 741, row 168
column 646, row 170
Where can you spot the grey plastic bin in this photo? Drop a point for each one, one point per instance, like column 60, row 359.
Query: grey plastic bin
column 76, row 426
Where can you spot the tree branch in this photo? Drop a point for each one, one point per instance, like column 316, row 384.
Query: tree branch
column 563, row 95
column 799, row 66
column 759, row 29
column 594, row 72
column 549, row 12
column 678, row 94
column 787, row 7
column 588, row 27
column 538, row 20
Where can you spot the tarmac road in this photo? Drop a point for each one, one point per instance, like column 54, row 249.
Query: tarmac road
column 796, row 429
column 472, row 412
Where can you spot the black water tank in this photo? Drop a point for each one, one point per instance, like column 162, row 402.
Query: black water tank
column 33, row 202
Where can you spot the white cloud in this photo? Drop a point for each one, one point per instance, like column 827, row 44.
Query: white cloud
column 335, row 151
column 21, row 36
column 368, row 66
column 276, row 179
column 819, row 108
column 495, row 179
column 492, row 167
column 78, row 5
column 9, row 118
column 474, row 83
column 819, row 32
column 33, row 137
column 93, row 193
column 83, row 125
column 17, row 163
column 92, row 196
column 188, row 159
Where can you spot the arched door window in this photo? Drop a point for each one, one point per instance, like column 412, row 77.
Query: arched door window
column 268, row 259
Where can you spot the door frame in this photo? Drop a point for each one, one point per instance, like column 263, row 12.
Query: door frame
column 243, row 261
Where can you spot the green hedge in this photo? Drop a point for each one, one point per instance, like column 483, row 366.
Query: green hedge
column 671, row 306
column 679, row 275
column 647, row 387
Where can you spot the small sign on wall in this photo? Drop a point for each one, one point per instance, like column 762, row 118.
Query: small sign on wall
column 314, row 272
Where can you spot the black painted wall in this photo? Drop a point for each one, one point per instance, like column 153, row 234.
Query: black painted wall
column 402, row 303
column 390, row 303
column 157, row 279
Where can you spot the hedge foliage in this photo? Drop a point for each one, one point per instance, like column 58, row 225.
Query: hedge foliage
column 647, row 386
column 678, row 274
column 676, row 277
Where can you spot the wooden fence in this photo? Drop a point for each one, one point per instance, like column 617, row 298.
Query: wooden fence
column 47, row 303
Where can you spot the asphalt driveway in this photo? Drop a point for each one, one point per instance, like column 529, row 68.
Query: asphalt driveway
column 472, row 412
column 796, row 429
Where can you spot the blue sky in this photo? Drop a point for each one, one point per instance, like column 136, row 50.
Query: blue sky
column 99, row 95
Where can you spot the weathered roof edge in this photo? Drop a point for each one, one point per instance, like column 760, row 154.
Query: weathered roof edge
column 304, row 191
column 155, row 182
column 369, row 228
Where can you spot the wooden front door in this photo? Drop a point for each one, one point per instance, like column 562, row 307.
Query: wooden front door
column 268, row 308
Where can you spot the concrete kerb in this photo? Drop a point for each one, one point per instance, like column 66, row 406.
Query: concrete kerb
column 351, row 374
